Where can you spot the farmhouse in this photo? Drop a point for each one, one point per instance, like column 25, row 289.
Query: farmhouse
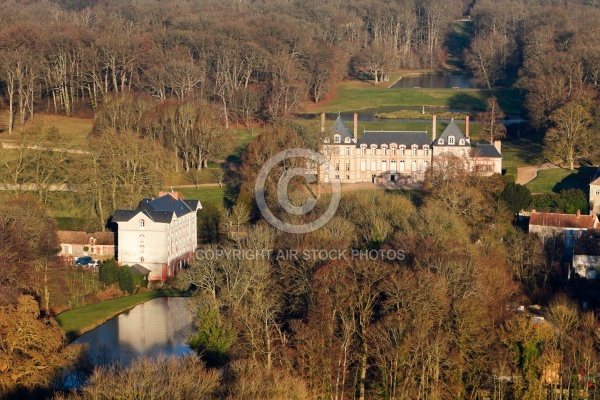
column 569, row 226
column 160, row 235
column 401, row 156
column 78, row 243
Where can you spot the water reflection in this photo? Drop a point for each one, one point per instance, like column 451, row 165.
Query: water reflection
column 159, row 326
column 433, row 81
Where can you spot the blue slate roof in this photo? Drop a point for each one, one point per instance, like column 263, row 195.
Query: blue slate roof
column 160, row 209
column 452, row 130
column 486, row 150
column 398, row 137
column 339, row 128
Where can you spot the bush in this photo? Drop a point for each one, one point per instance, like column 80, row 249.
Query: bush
column 125, row 280
column 108, row 272
column 516, row 197
column 213, row 339
column 567, row 201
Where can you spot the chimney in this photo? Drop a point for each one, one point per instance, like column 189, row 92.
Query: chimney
column 578, row 213
column 498, row 146
column 434, row 127
column 355, row 127
column 322, row 122
column 467, row 126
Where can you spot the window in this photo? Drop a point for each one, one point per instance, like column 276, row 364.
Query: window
column 425, row 165
column 141, row 259
column 336, row 152
column 141, row 249
column 348, row 177
column 440, row 141
column 384, row 150
column 326, row 140
column 402, row 148
column 401, row 166
column 425, row 150
column 347, row 140
column 363, row 165
column 347, row 151
column 597, row 192
column 393, row 151
column 336, row 139
column 414, row 150
column 373, row 150
column 142, row 223
column 337, row 166
column 461, row 142
column 327, row 166
column 347, row 168
column 414, row 165
column 142, row 237
column 384, row 165
column 450, row 139
column 363, row 150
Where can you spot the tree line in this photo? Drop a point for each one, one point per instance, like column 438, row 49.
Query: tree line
column 255, row 60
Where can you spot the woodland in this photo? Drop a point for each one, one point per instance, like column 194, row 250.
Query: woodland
column 166, row 82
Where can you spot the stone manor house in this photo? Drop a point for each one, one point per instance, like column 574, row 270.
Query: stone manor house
column 402, row 157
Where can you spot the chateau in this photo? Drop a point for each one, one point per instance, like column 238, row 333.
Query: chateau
column 160, row 235
column 400, row 156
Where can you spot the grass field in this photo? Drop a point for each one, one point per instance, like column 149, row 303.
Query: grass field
column 210, row 194
column 557, row 179
column 358, row 95
column 82, row 319
column 72, row 131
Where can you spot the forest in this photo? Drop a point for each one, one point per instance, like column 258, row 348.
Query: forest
column 167, row 83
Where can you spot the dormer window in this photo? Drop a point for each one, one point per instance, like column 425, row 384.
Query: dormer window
column 450, row 139
column 363, row 149
column 440, row 141
column 142, row 223
column 347, row 140
column 426, row 150
column 461, row 142
column 336, row 139
column 373, row 149
column 384, row 149
column 414, row 148
column 326, row 140
column 402, row 148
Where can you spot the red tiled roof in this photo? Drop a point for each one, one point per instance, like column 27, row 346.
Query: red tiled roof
column 563, row 220
column 80, row 237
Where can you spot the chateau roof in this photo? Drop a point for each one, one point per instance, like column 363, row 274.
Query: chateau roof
column 160, row 209
column 486, row 150
column 574, row 221
column 398, row 137
column 339, row 128
column 452, row 130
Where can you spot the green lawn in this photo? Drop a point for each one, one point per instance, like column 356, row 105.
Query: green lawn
column 557, row 179
column 356, row 95
column 522, row 152
column 210, row 194
column 82, row 319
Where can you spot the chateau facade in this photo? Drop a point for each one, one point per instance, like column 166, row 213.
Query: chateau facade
column 160, row 235
column 400, row 156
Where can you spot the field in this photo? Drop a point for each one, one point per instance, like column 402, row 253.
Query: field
column 557, row 179
column 358, row 95
column 82, row 319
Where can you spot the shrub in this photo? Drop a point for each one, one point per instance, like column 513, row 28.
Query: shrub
column 516, row 197
column 108, row 272
column 125, row 280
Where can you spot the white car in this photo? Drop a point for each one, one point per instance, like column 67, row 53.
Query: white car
column 94, row 264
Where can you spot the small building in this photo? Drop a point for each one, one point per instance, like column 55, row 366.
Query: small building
column 585, row 266
column 595, row 194
column 74, row 244
column 159, row 235
column 569, row 226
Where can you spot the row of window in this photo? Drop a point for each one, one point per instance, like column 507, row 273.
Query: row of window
column 451, row 140
column 384, row 150
column 394, row 166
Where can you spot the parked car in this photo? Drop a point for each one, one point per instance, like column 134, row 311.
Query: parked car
column 85, row 260
column 94, row 264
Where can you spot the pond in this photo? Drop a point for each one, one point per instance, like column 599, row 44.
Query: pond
column 159, row 326
column 435, row 81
